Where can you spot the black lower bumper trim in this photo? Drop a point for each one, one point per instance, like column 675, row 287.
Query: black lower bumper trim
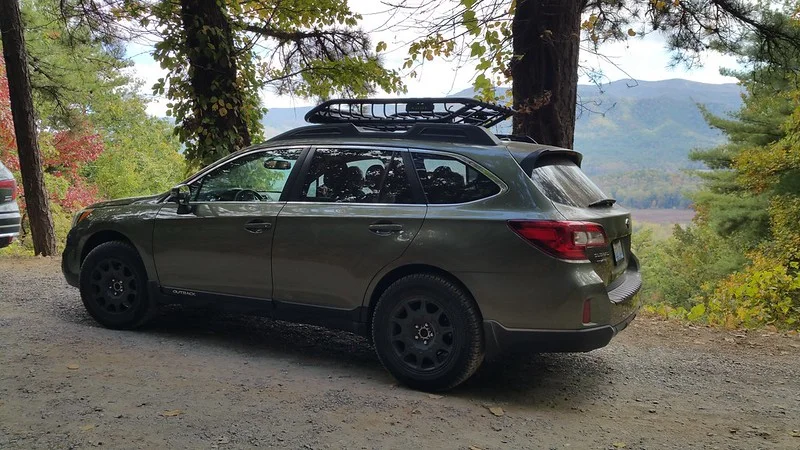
column 500, row 339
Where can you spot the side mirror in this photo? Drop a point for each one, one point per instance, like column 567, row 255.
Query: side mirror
column 181, row 194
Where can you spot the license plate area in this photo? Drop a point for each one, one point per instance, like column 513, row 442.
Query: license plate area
column 617, row 250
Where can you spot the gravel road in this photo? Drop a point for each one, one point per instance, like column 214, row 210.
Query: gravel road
column 193, row 380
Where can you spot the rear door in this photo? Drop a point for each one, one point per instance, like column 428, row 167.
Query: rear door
column 577, row 198
column 223, row 244
column 354, row 212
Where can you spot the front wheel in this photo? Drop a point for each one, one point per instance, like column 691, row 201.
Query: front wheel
column 113, row 285
column 428, row 332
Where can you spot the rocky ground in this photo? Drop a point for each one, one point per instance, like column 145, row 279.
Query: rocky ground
column 193, row 380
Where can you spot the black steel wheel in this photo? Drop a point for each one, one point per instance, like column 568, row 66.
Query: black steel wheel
column 113, row 286
column 421, row 333
column 428, row 332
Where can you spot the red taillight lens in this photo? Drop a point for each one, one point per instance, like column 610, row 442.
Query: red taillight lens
column 8, row 186
column 562, row 239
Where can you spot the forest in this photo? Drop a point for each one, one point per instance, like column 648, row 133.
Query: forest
column 737, row 264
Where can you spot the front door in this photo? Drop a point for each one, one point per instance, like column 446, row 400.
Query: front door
column 223, row 244
column 355, row 212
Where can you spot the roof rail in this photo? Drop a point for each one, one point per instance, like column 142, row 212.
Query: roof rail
column 467, row 134
column 403, row 113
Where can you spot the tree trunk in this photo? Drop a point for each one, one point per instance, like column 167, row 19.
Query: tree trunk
column 212, row 73
column 37, row 202
column 545, row 77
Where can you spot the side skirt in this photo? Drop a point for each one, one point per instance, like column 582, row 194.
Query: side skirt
column 334, row 318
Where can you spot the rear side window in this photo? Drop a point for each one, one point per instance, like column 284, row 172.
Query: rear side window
column 447, row 180
column 357, row 176
column 562, row 181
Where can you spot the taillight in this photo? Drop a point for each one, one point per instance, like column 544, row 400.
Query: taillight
column 562, row 239
column 8, row 185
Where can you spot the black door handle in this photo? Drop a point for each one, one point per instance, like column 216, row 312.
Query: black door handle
column 385, row 228
column 257, row 226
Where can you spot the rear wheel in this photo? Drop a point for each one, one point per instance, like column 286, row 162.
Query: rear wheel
column 113, row 285
column 428, row 332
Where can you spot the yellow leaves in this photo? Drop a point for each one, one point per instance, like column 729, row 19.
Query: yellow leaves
column 73, row 366
column 380, row 47
column 172, row 413
column 87, row 427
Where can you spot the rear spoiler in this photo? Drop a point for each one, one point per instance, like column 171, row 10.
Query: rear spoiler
column 541, row 155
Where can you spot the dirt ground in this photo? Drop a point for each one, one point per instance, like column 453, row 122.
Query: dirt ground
column 194, row 380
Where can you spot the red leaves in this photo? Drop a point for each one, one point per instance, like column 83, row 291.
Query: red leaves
column 64, row 152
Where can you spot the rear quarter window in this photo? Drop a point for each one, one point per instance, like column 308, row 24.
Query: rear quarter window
column 563, row 181
column 447, row 180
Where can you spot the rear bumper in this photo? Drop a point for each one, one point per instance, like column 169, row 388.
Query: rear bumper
column 500, row 339
column 9, row 224
column 9, row 227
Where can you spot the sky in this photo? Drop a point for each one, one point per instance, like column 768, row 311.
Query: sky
column 641, row 59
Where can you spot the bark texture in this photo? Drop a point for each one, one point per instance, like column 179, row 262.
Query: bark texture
column 545, row 88
column 37, row 202
column 212, row 66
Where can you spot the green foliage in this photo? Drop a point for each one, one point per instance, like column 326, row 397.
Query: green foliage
column 218, row 60
column 140, row 160
column 751, row 203
column 95, row 137
column 678, row 270
column 72, row 71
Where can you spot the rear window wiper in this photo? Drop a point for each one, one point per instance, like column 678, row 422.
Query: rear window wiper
column 602, row 203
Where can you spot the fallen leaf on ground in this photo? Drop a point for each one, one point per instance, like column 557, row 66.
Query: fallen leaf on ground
column 619, row 445
column 172, row 413
column 87, row 427
column 472, row 447
column 435, row 396
column 73, row 366
column 497, row 411
column 795, row 433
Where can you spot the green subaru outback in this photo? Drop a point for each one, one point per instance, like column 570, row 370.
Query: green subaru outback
column 406, row 221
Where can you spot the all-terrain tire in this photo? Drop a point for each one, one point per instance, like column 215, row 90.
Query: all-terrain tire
column 113, row 287
column 428, row 332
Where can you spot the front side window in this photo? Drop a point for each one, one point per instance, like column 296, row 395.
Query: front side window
column 257, row 177
column 447, row 180
column 356, row 176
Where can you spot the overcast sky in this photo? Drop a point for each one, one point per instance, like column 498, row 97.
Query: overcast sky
column 642, row 59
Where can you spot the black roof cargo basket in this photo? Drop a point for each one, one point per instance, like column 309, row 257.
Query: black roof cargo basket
column 404, row 113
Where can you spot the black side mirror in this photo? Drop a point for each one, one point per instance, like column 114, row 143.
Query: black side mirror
column 181, row 195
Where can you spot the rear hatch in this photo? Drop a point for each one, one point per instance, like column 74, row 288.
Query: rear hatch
column 557, row 174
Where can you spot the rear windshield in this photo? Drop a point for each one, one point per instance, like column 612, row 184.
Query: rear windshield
column 562, row 181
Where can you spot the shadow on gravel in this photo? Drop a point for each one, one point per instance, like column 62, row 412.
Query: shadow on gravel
column 561, row 381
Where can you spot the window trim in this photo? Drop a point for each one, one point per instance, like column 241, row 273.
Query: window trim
column 494, row 178
column 290, row 180
column 416, row 189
